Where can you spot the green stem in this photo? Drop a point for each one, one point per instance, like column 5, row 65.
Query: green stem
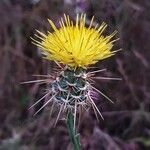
column 72, row 132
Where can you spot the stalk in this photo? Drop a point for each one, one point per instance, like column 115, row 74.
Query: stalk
column 72, row 132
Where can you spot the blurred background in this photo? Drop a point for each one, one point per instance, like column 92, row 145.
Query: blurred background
column 127, row 122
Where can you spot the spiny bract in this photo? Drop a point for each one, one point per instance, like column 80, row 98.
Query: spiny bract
column 75, row 45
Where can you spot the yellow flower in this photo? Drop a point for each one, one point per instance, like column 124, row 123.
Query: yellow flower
column 75, row 45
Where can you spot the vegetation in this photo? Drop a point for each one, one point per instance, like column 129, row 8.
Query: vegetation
column 126, row 124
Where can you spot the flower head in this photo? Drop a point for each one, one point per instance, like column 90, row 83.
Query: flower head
column 75, row 45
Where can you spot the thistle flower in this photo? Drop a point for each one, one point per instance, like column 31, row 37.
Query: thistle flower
column 77, row 47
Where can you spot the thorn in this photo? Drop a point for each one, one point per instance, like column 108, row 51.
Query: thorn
column 102, row 94
column 39, row 100
column 45, row 104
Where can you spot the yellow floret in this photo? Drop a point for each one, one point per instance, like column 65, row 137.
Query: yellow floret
column 75, row 45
